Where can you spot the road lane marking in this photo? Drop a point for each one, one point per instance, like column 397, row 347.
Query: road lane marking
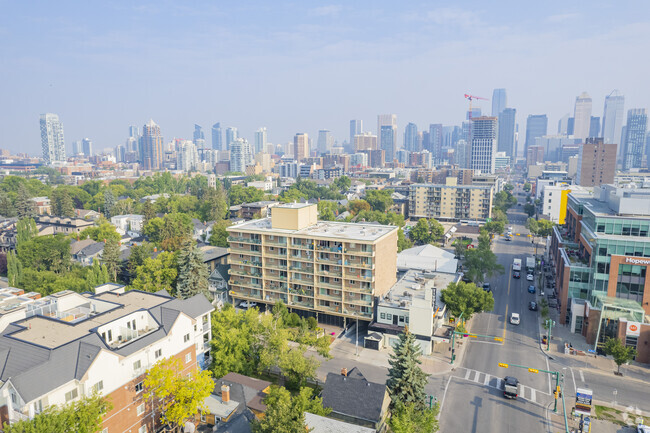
column 505, row 322
column 499, row 383
column 532, row 394
column 574, row 379
column 582, row 376
column 549, row 376
column 487, row 379
column 467, row 374
column 444, row 394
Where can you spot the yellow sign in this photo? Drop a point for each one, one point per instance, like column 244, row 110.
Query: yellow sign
column 498, row 339
column 501, row 364
column 533, row 370
column 473, row 336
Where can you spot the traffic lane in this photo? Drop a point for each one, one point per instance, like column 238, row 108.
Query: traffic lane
column 471, row 407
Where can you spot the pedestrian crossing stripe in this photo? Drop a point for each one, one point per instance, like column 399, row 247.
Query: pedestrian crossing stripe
column 525, row 392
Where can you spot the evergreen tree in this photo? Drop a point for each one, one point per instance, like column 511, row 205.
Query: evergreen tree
column 192, row 271
column 111, row 258
column 7, row 208
column 148, row 212
column 24, row 206
column 67, row 205
column 406, row 380
column 25, row 230
column 14, row 269
column 109, row 203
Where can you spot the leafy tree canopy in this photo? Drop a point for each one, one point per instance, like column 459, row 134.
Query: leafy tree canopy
column 466, row 298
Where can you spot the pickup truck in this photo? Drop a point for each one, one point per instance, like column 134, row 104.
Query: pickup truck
column 510, row 387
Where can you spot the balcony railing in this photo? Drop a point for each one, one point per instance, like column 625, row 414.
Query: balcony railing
column 245, row 262
column 302, row 246
column 244, row 240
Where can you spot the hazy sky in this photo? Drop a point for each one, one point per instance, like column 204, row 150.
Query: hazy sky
column 302, row 66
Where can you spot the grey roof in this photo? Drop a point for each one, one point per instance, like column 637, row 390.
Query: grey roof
column 91, row 250
column 212, row 253
column 76, row 246
column 220, row 272
column 36, row 370
column 354, row 396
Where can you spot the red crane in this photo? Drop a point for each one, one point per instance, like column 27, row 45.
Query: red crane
column 470, row 98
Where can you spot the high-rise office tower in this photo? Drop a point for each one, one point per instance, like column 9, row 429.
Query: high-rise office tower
column 569, row 125
column 186, row 156
column 325, row 141
column 594, row 126
column 356, row 128
column 134, row 132
column 77, row 147
column 563, row 124
column 506, row 138
column 300, row 146
column 411, row 137
column 217, row 137
column 613, row 118
column 387, row 120
column 241, row 155
column 52, row 141
column 198, row 137
column 484, row 144
column 596, row 162
column 536, row 126
column 388, row 142
column 499, row 101
column 152, row 146
column 365, row 141
column 635, row 132
column 87, row 146
column 231, row 135
column 260, row 140
column 435, row 142
column 582, row 116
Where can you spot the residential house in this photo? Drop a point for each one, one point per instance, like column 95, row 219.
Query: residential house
column 130, row 223
column 89, row 253
column 87, row 214
column 66, row 226
column 42, row 205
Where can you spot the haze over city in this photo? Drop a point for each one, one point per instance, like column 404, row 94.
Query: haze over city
column 300, row 67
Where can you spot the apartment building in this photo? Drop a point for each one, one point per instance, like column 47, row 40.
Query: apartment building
column 451, row 202
column 601, row 257
column 329, row 270
column 68, row 345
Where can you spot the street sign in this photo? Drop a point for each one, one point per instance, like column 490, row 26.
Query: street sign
column 498, row 339
column 501, row 364
column 584, row 397
column 533, row 370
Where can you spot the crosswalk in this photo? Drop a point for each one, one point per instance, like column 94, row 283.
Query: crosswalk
column 525, row 392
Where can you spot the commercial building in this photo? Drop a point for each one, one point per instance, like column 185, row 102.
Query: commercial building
column 499, row 102
column 300, row 146
column 70, row 345
column 601, row 257
column 555, row 197
column 635, row 137
column 506, row 138
column 356, row 128
column 388, row 142
column 483, row 144
column 260, row 140
column 241, row 155
column 365, row 141
column 536, row 126
column 582, row 116
column 151, row 146
column 329, row 270
column 596, row 163
column 52, row 140
column 613, row 117
column 217, row 137
column 534, row 155
column 450, row 201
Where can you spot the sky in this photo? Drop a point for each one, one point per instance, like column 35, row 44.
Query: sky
column 302, row 66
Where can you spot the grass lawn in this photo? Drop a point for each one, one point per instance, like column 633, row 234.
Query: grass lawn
column 610, row 414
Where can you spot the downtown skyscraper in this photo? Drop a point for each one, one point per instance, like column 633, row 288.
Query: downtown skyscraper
column 390, row 147
column 217, row 137
column 483, row 144
column 635, row 137
column 356, row 128
column 231, row 135
column 260, row 140
column 300, row 146
column 506, row 138
column 52, row 140
column 499, row 101
column 435, row 142
column 152, row 146
column 582, row 117
column 325, row 141
column 411, row 137
column 241, row 155
column 613, row 118
column 536, row 126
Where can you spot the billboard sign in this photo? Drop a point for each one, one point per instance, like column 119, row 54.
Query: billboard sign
column 584, row 397
column 633, row 329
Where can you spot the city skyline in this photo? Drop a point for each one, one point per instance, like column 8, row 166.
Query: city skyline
column 84, row 80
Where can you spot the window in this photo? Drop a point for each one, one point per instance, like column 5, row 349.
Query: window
column 140, row 409
column 158, row 353
column 139, row 387
column 71, row 395
column 142, row 429
column 110, row 335
column 188, row 358
column 137, row 364
column 382, row 315
column 98, row 386
column 186, row 338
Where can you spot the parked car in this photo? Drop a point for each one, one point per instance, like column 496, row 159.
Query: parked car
column 532, row 306
column 486, row 287
column 642, row 429
column 516, row 274
column 530, row 277
column 531, row 289
column 248, row 304
column 514, row 319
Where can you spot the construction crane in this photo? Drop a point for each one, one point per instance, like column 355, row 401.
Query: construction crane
column 470, row 98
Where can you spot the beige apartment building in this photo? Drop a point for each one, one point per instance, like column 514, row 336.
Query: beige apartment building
column 329, row 270
column 451, row 202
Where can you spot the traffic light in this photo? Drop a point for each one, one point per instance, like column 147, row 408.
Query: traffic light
column 558, row 392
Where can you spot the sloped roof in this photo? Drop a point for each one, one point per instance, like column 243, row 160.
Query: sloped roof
column 427, row 258
column 354, row 396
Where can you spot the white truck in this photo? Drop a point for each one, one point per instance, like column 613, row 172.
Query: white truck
column 516, row 265
column 530, row 264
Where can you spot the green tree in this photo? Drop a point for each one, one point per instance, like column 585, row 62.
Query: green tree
column 508, row 187
column 111, row 258
column 527, row 187
column 529, row 209
column 156, row 274
column 618, row 351
column 239, row 194
column 234, row 336
column 421, row 232
column 495, row 227
column 192, row 271
column 342, row 184
column 46, row 253
column 540, row 228
column 503, row 201
column 219, row 236
column 297, row 367
column 7, row 208
column 62, row 203
column 14, row 269
column 327, row 210
column 24, row 205
column 406, row 418
column 139, row 253
column 467, row 299
column 406, row 380
column 214, row 204
column 379, row 200
column 148, row 212
column 286, row 413
column 403, row 242
column 81, row 416
column 356, row 206
column 179, row 397
column 109, row 203
column 169, row 231
column 104, row 232
column 26, row 230
column 436, row 229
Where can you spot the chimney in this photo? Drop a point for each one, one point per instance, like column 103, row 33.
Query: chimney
column 225, row 393
column 344, row 371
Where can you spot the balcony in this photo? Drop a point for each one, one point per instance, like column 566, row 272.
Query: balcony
column 331, row 308
column 357, row 301
column 276, row 254
column 330, row 285
column 302, row 269
column 275, row 265
column 326, row 297
column 309, row 246
column 242, row 283
column 301, row 292
column 304, row 304
column 332, row 261
column 272, row 297
column 309, row 259
column 234, row 271
column 357, row 252
column 337, row 274
column 275, row 243
column 335, row 249
column 352, row 264
column 356, row 312
column 276, row 277
column 358, row 289
column 246, row 262
column 359, row 277
column 244, row 240
column 238, row 292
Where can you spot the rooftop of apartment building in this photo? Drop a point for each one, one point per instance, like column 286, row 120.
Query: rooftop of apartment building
column 413, row 285
column 60, row 335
